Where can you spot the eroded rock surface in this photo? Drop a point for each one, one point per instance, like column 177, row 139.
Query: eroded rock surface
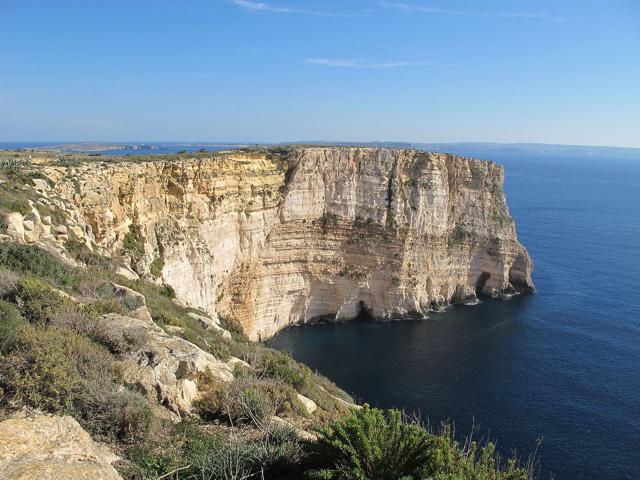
column 281, row 237
column 165, row 368
column 47, row 447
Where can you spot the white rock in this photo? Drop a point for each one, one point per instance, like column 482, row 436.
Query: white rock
column 15, row 226
column 39, row 446
column 309, row 405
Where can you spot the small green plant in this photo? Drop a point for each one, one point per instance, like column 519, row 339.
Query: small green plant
column 457, row 236
column 167, row 291
column 156, row 267
column 391, row 221
column 11, row 323
column 329, row 220
column 133, row 240
column 412, row 182
column 37, row 301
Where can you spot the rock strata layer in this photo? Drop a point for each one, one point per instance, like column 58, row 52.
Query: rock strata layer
column 288, row 236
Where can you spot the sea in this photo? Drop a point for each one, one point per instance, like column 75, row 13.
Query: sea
column 556, row 373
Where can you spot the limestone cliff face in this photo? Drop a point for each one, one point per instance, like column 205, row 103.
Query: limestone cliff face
column 290, row 236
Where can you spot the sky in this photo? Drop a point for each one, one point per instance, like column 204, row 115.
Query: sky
column 548, row 71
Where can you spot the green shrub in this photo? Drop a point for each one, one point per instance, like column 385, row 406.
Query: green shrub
column 11, row 323
column 272, row 456
column 448, row 460
column 33, row 260
column 94, row 284
column 133, row 240
column 112, row 411
column 79, row 250
column 279, row 365
column 167, row 291
column 369, row 446
column 246, row 400
column 38, row 302
column 9, row 282
column 101, row 307
column 156, row 267
column 40, row 372
column 412, row 182
column 20, row 205
column 117, row 341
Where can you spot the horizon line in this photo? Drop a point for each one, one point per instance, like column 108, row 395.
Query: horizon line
column 301, row 142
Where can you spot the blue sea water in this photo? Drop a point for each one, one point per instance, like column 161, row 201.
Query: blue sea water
column 562, row 365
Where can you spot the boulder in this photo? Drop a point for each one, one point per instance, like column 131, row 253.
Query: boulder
column 15, row 226
column 165, row 368
column 47, row 447
column 211, row 323
column 127, row 273
column 309, row 405
column 133, row 301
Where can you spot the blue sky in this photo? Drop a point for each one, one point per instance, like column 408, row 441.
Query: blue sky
column 554, row 71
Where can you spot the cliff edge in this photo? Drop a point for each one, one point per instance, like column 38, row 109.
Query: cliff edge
column 283, row 236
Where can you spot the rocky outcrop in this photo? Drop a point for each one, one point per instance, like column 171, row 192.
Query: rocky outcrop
column 47, row 447
column 165, row 368
column 289, row 236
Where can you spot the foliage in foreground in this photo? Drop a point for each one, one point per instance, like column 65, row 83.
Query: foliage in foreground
column 369, row 445
column 58, row 355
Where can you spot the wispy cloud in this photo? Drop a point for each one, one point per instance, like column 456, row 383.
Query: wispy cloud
column 330, row 62
column 265, row 7
column 268, row 7
column 457, row 13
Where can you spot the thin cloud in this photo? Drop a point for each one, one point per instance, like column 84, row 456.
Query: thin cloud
column 260, row 6
column 457, row 13
column 267, row 7
column 338, row 63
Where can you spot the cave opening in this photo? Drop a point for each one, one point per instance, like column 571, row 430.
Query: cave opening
column 482, row 282
column 363, row 312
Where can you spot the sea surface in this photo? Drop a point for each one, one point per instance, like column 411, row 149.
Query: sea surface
column 561, row 366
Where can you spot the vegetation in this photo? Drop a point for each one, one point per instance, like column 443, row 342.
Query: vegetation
column 369, row 445
column 58, row 354
column 133, row 240
column 156, row 267
column 457, row 237
column 412, row 182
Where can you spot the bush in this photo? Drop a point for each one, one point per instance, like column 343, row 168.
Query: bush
column 33, row 260
column 11, row 323
column 9, row 282
column 18, row 204
column 167, row 291
column 37, row 301
column 112, row 411
column 368, row 445
column 117, row 341
column 56, row 369
column 280, row 366
column 79, row 250
column 156, row 267
column 133, row 240
column 247, row 400
column 40, row 373
column 274, row 455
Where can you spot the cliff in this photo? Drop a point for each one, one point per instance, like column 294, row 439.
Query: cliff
column 283, row 236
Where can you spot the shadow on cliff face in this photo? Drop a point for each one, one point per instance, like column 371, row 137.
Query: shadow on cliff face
column 364, row 313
